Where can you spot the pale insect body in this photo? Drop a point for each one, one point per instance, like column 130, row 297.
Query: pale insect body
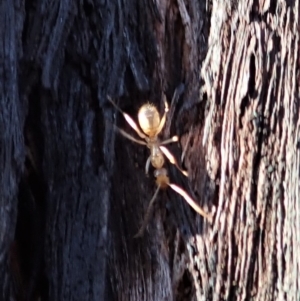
column 151, row 125
column 149, row 121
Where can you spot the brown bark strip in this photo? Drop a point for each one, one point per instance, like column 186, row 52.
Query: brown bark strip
column 259, row 108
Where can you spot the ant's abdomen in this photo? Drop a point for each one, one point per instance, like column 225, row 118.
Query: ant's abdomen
column 149, row 119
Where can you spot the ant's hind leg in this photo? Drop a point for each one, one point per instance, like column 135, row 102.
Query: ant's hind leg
column 186, row 145
column 129, row 120
column 163, row 119
column 126, row 135
column 177, row 93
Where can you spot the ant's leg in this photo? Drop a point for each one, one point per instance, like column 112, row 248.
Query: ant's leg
column 186, row 146
column 172, row 159
column 123, row 133
column 147, row 165
column 177, row 93
column 173, row 139
column 191, row 202
column 129, row 120
column 147, row 215
column 163, row 119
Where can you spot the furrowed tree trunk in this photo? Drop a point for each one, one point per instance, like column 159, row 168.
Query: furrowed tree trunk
column 74, row 192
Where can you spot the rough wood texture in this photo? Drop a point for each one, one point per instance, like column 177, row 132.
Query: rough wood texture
column 251, row 81
column 74, row 193
column 11, row 138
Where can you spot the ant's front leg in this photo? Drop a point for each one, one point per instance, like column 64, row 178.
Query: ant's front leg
column 147, row 215
column 191, row 202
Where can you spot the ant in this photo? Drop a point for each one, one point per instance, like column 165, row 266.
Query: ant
column 151, row 125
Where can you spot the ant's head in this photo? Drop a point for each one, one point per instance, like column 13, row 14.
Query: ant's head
column 162, row 179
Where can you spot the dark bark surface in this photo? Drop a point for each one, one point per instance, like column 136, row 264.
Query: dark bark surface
column 73, row 193
column 11, row 137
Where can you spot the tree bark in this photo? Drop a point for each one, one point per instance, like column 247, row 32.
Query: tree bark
column 74, row 192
